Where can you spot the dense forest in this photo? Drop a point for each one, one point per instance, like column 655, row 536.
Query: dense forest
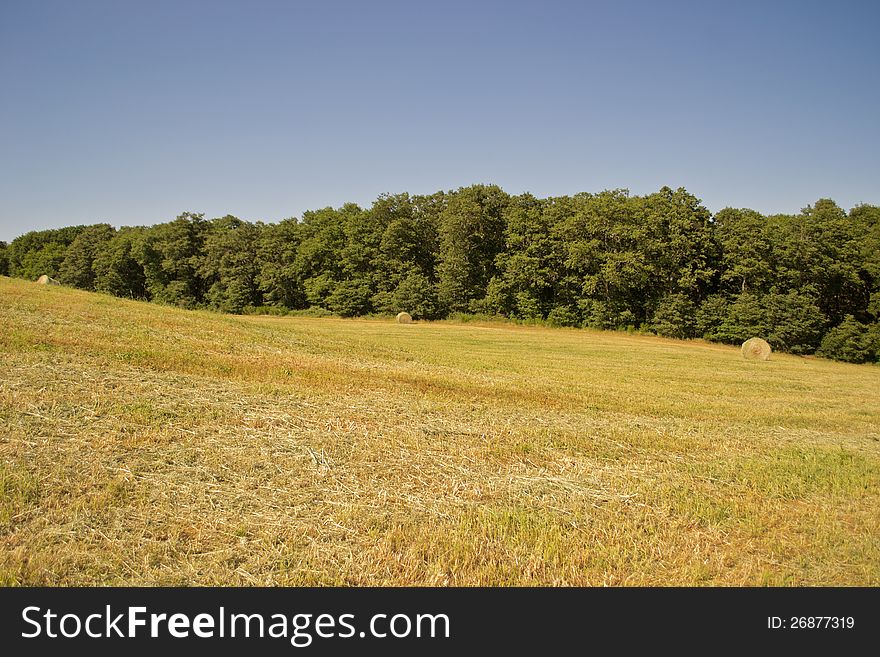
column 660, row 263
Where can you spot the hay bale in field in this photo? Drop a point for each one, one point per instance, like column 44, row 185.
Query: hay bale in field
column 47, row 280
column 756, row 349
column 404, row 318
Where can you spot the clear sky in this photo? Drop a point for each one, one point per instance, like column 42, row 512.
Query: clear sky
column 133, row 112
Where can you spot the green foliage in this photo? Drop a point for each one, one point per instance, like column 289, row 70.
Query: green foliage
column 230, row 266
column 742, row 318
column 711, row 315
column 610, row 260
column 819, row 248
column 530, row 264
column 745, row 240
column 349, row 298
column 563, row 316
column 471, row 236
column 40, row 252
column 852, row 341
column 601, row 315
column 171, row 256
column 47, row 259
column 680, row 248
column 416, row 295
column 790, row 322
column 318, row 288
column 604, row 246
column 866, row 226
column 77, row 268
column 675, row 317
column 527, row 306
column 116, row 269
column 404, row 268
column 796, row 321
column 499, row 299
column 279, row 278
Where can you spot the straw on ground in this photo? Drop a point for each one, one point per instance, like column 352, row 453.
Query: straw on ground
column 141, row 444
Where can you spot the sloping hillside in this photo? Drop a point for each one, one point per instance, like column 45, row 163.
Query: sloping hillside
column 141, row 444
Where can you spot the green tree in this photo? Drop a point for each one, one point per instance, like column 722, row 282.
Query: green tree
column 852, row 342
column 866, row 224
column 318, row 261
column 4, row 259
column 117, row 269
column 359, row 260
column 46, row 259
column 605, row 239
column 818, row 251
column 40, row 252
column 408, row 243
column 77, row 268
column 746, row 246
column 171, row 255
column 416, row 295
column 606, row 260
column 471, row 235
column 675, row 317
column 710, row 315
column 280, row 279
column 349, row 297
column 531, row 267
column 731, row 320
column 230, row 267
column 796, row 321
column 681, row 242
column 563, row 316
column 790, row 321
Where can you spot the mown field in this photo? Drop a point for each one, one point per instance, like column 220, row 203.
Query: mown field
column 141, row 444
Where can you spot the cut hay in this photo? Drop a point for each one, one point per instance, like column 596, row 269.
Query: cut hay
column 756, row 349
column 404, row 318
column 47, row 280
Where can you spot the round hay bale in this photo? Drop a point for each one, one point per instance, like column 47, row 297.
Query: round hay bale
column 404, row 318
column 46, row 280
column 756, row 349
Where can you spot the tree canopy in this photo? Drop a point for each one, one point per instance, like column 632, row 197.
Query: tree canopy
column 661, row 263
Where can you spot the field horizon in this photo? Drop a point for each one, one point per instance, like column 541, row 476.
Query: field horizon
column 143, row 444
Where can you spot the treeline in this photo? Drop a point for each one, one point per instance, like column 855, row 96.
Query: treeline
column 662, row 263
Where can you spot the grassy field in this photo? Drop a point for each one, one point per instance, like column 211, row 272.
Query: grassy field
column 141, row 444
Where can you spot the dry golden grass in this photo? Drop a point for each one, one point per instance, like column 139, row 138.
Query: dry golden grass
column 141, row 444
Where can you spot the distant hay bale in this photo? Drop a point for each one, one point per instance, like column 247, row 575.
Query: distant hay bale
column 46, row 280
column 404, row 318
column 756, row 349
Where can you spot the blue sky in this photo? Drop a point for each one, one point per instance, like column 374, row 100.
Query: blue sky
column 132, row 112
